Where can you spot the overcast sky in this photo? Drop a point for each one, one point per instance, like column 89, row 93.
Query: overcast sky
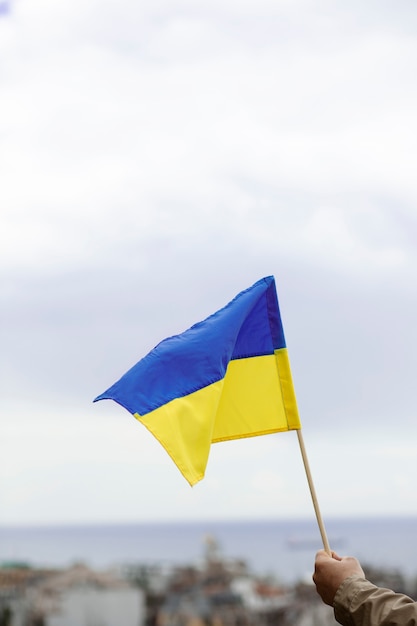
column 158, row 157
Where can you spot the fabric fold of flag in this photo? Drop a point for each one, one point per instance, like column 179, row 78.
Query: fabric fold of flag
column 224, row 378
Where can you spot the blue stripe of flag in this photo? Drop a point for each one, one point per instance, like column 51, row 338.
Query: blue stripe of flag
column 249, row 326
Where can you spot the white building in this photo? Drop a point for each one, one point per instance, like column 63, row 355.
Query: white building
column 83, row 597
column 89, row 606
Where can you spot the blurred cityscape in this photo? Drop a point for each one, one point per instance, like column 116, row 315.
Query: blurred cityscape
column 217, row 592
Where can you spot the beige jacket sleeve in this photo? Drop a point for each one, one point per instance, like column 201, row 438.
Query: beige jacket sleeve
column 360, row 603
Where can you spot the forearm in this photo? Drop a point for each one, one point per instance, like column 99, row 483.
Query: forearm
column 360, row 603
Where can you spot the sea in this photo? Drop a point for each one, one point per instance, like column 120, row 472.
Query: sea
column 280, row 549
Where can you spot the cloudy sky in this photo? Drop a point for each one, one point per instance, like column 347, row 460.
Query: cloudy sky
column 158, row 157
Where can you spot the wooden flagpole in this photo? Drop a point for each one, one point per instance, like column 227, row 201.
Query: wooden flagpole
column 313, row 493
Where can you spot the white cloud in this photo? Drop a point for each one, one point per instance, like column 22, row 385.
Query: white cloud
column 98, row 141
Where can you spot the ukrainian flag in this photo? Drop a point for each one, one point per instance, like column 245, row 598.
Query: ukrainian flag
column 224, row 378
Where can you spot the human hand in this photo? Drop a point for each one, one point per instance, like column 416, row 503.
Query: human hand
column 331, row 571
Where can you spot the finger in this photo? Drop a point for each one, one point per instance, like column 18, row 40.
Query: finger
column 322, row 554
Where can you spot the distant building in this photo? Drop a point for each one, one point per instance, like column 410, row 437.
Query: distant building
column 15, row 579
column 83, row 597
column 77, row 596
column 88, row 606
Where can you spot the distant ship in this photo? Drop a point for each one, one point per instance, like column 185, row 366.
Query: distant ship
column 313, row 543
